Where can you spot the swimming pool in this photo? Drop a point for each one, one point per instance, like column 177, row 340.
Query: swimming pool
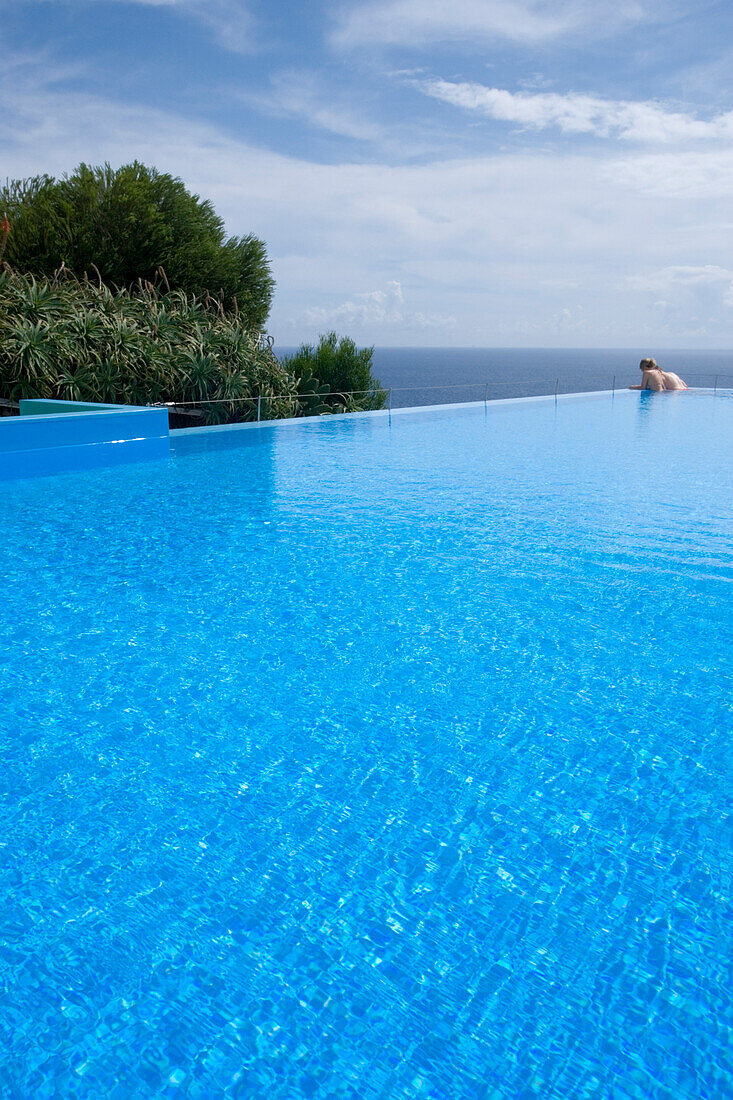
column 374, row 757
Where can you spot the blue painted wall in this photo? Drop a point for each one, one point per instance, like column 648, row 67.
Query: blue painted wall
column 50, row 436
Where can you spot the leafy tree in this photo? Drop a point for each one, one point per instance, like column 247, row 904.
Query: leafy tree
column 342, row 369
column 127, row 223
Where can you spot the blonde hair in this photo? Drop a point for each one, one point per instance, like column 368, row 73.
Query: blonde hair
column 648, row 364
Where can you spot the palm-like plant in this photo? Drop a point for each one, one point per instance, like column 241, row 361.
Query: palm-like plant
column 40, row 301
column 79, row 340
column 30, row 350
column 109, row 380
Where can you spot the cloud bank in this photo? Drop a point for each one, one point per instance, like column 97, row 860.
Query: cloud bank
column 646, row 122
column 592, row 241
column 299, row 94
column 383, row 308
column 412, row 24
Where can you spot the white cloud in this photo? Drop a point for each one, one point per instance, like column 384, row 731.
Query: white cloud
column 229, row 21
column 383, row 309
column 690, row 277
column 689, row 176
column 582, row 114
column 299, row 94
column 695, row 276
column 411, row 23
column 516, row 247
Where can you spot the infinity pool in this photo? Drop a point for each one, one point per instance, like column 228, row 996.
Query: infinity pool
column 375, row 758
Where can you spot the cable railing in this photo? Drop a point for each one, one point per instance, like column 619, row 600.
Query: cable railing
column 300, row 404
column 486, row 389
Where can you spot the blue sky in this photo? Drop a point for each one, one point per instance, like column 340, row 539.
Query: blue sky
column 479, row 172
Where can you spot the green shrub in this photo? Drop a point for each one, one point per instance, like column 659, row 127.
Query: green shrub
column 78, row 340
column 342, row 369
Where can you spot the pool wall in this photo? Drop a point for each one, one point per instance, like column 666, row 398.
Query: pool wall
column 53, row 436
column 49, row 436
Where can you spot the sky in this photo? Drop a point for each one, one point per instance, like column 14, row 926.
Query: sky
column 502, row 173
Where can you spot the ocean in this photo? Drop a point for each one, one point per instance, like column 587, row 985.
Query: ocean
column 436, row 376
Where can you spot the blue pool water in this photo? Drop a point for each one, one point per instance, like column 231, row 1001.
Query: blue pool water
column 374, row 758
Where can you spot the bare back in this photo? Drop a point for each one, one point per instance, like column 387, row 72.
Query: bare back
column 652, row 380
column 672, row 381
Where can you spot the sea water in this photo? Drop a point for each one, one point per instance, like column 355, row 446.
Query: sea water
column 436, row 376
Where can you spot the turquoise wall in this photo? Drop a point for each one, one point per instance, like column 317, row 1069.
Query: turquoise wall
column 39, row 406
column 50, row 436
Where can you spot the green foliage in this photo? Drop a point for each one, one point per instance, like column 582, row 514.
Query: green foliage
column 79, row 340
column 342, row 369
column 124, row 224
column 311, row 397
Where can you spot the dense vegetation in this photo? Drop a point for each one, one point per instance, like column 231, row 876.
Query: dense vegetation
column 341, row 368
column 80, row 341
column 123, row 225
column 120, row 286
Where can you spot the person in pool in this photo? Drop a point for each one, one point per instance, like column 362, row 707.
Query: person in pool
column 651, row 377
column 672, row 381
column 654, row 378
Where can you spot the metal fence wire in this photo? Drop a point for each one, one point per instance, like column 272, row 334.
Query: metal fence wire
column 259, row 399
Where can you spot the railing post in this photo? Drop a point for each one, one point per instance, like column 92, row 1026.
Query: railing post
column 390, row 399
column 613, row 384
column 486, row 393
column 557, row 383
column 259, row 404
column 715, row 387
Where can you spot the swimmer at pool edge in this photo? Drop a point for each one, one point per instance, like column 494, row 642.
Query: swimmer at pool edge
column 656, row 379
